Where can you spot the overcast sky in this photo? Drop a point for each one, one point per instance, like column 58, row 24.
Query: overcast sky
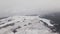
column 26, row 7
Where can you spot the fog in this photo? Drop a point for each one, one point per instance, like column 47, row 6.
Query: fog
column 27, row 7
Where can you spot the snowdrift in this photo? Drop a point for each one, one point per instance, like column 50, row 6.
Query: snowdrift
column 25, row 25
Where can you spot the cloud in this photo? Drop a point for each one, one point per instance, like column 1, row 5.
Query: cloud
column 23, row 7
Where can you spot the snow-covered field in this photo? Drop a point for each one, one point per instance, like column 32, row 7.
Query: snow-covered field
column 24, row 25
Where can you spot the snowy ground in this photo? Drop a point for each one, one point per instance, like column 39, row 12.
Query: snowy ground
column 24, row 25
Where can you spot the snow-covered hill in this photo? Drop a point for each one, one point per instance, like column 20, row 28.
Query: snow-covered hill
column 25, row 25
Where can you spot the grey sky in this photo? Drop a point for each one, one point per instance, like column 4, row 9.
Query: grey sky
column 24, row 7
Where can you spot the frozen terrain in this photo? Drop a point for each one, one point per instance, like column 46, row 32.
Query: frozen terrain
column 25, row 25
